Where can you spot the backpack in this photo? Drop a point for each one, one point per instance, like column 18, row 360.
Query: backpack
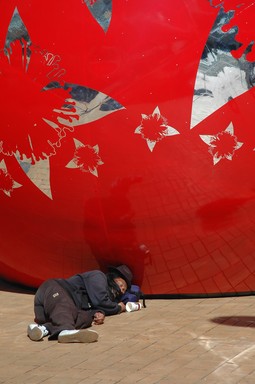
column 133, row 294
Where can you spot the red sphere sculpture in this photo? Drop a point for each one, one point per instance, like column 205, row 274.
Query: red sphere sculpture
column 127, row 136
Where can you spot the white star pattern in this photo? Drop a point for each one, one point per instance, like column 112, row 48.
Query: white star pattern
column 223, row 145
column 85, row 158
column 154, row 128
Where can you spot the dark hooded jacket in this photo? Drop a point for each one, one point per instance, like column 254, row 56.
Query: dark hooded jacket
column 90, row 290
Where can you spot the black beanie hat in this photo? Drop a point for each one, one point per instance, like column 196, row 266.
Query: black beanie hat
column 124, row 272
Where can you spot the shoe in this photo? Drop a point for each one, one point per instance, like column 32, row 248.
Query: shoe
column 78, row 336
column 36, row 332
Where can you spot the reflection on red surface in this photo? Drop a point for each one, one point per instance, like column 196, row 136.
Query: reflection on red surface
column 127, row 136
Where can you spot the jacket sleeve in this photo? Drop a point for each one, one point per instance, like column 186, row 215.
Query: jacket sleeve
column 97, row 289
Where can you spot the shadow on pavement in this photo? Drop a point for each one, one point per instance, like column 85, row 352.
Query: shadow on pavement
column 235, row 321
column 8, row 286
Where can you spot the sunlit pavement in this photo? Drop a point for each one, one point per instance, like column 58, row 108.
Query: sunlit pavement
column 171, row 341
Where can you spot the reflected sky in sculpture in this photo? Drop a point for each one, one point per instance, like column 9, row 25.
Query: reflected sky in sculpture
column 101, row 10
column 17, row 30
column 220, row 77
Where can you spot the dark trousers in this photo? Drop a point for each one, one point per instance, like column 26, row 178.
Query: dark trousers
column 55, row 309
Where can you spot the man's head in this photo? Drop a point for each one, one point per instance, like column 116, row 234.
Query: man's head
column 121, row 284
column 123, row 272
column 119, row 278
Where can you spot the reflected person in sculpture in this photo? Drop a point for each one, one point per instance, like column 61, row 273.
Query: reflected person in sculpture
column 65, row 308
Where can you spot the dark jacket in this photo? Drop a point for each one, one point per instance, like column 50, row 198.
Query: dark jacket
column 90, row 290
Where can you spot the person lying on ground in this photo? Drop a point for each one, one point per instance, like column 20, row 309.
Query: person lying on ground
column 65, row 308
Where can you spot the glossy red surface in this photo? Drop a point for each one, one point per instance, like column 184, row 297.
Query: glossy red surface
column 142, row 183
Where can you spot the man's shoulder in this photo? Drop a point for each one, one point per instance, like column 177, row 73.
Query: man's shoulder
column 94, row 273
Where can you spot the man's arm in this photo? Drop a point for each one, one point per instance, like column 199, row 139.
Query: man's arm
column 97, row 289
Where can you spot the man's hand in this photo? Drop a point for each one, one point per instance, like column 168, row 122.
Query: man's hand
column 123, row 307
column 98, row 318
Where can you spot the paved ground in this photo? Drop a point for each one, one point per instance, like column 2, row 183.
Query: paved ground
column 171, row 341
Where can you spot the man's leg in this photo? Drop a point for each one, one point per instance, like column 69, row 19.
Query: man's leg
column 63, row 314
column 60, row 310
column 55, row 308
